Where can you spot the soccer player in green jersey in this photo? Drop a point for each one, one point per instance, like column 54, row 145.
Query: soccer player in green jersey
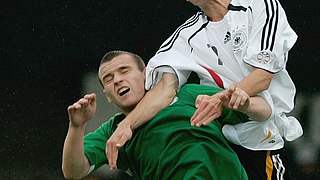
column 167, row 147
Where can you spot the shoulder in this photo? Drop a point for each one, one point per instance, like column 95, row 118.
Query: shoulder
column 111, row 124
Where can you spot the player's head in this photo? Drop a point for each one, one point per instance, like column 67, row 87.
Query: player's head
column 122, row 76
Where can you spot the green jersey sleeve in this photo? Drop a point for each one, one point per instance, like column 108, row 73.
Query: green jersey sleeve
column 95, row 142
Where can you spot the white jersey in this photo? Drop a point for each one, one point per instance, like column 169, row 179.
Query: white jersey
column 254, row 33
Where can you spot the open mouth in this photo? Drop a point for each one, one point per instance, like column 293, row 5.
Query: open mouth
column 124, row 90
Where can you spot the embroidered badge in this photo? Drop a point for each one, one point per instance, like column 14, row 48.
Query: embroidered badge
column 227, row 38
column 264, row 57
column 239, row 39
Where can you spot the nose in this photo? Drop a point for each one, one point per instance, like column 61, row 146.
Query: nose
column 117, row 78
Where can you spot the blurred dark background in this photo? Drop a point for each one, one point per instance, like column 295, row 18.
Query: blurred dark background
column 46, row 47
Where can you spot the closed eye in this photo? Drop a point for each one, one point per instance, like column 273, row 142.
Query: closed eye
column 124, row 70
column 108, row 78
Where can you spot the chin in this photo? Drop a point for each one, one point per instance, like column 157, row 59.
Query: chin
column 129, row 105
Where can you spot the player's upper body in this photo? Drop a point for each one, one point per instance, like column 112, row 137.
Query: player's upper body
column 122, row 77
column 168, row 147
column 253, row 34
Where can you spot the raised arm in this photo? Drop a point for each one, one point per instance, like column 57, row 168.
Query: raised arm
column 75, row 165
column 160, row 96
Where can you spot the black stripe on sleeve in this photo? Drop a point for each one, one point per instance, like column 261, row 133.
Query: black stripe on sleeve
column 270, row 25
column 177, row 30
column 195, row 33
column 275, row 26
column 176, row 33
column 265, row 25
column 236, row 8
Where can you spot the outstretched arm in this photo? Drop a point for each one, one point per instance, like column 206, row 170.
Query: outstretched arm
column 210, row 107
column 257, row 81
column 75, row 165
column 256, row 107
column 155, row 100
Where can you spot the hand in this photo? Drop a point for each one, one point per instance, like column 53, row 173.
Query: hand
column 120, row 136
column 239, row 100
column 208, row 109
column 82, row 110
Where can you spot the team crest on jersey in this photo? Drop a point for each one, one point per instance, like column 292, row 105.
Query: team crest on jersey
column 239, row 40
column 264, row 57
column 227, row 38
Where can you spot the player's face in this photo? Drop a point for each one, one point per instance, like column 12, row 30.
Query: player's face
column 123, row 82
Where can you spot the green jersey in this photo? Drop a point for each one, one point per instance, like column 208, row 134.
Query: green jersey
column 168, row 147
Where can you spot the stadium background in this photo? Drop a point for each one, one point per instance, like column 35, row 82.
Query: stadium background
column 48, row 49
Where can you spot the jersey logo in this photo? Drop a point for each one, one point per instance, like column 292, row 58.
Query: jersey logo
column 215, row 50
column 227, row 38
column 264, row 57
column 239, row 39
column 268, row 136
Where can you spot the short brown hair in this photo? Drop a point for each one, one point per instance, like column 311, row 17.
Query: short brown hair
column 112, row 54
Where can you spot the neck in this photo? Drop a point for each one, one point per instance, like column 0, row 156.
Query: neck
column 126, row 110
column 216, row 9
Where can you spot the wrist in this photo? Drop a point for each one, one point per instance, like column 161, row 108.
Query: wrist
column 126, row 123
column 77, row 127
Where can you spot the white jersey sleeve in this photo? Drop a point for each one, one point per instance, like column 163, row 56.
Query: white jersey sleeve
column 173, row 59
column 175, row 53
column 158, row 73
column 271, row 36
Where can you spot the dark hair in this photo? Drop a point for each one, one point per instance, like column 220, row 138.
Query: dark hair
column 112, row 54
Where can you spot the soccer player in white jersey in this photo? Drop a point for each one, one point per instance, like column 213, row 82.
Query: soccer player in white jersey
column 240, row 44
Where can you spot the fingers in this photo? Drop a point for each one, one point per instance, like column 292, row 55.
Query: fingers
column 117, row 140
column 123, row 139
column 232, row 88
column 112, row 153
column 200, row 99
column 244, row 99
column 83, row 102
column 199, row 115
column 237, row 102
column 200, row 104
column 207, row 109
column 210, row 118
column 225, row 96
column 238, row 98
column 90, row 97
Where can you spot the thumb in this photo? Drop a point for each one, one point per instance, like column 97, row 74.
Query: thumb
column 232, row 88
column 122, row 140
column 198, row 100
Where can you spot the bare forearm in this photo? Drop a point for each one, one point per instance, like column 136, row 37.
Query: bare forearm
column 74, row 163
column 154, row 101
column 257, row 81
column 258, row 109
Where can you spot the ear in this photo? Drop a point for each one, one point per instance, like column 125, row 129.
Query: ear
column 107, row 96
column 144, row 73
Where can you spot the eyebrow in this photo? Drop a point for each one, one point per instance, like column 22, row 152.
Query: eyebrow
column 120, row 68
column 124, row 67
